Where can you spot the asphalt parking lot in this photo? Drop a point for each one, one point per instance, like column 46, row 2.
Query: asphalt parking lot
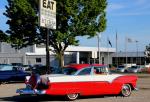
column 8, row 93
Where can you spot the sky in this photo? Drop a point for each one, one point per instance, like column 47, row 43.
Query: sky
column 127, row 18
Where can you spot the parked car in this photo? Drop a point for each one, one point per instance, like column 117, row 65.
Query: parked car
column 17, row 64
column 41, row 70
column 27, row 67
column 135, row 69
column 37, row 66
column 121, row 68
column 147, row 65
column 83, row 80
column 9, row 73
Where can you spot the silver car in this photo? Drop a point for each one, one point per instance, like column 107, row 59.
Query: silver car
column 134, row 69
column 121, row 68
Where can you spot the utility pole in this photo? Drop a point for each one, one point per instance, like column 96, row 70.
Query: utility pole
column 47, row 52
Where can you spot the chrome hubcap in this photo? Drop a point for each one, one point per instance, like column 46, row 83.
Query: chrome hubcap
column 72, row 96
column 126, row 90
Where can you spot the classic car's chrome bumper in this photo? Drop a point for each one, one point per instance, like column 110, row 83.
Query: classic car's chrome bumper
column 29, row 91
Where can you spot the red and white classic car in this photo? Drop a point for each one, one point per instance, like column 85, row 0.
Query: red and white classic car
column 83, row 80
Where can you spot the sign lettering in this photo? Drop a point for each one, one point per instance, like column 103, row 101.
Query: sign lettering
column 48, row 4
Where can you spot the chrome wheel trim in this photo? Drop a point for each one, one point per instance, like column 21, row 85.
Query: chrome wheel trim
column 126, row 90
column 72, row 96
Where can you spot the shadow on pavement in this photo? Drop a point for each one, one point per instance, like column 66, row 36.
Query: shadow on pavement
column 39, row 98
column 28, row 98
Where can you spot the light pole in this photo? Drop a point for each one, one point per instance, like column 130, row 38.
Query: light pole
column 137, row 51
column 99, row 54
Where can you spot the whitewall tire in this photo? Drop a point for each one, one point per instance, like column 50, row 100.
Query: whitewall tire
column 126, row 90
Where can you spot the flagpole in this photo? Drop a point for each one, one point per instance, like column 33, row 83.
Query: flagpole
column 126, row 49
column 108, row 51
column 137, row 51
column 116, row 49
column 108, row 42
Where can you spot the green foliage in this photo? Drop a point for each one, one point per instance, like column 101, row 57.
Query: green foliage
column 148, row 47
column 147, row 51
column 3, row 37
column 79, row 18
column 22, row 23
column 86, row 16
column 74, row 18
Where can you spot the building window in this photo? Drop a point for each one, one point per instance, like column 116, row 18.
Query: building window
column 38, row 60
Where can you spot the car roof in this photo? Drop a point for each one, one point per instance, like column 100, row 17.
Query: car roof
column 81, row 66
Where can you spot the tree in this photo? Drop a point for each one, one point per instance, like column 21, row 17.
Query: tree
column 147, row 51
column 3, row 37
column 74, row 18
column 22, row 23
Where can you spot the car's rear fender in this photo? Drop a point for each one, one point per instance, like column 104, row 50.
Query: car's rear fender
column 126, row 79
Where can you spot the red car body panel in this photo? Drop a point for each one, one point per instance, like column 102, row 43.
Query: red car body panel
column 80, row 66
column 84, row 88
column 77, row 66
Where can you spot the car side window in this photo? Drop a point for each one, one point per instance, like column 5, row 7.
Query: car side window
column 69, row 71
column 85, row 71
column 100, row 70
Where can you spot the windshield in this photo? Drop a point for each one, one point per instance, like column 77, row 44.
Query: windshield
column 134, row 67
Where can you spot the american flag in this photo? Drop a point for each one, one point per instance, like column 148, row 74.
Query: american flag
column 129, row 40
column 109, row 42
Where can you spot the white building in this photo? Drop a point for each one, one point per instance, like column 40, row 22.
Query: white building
column 37, row 55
